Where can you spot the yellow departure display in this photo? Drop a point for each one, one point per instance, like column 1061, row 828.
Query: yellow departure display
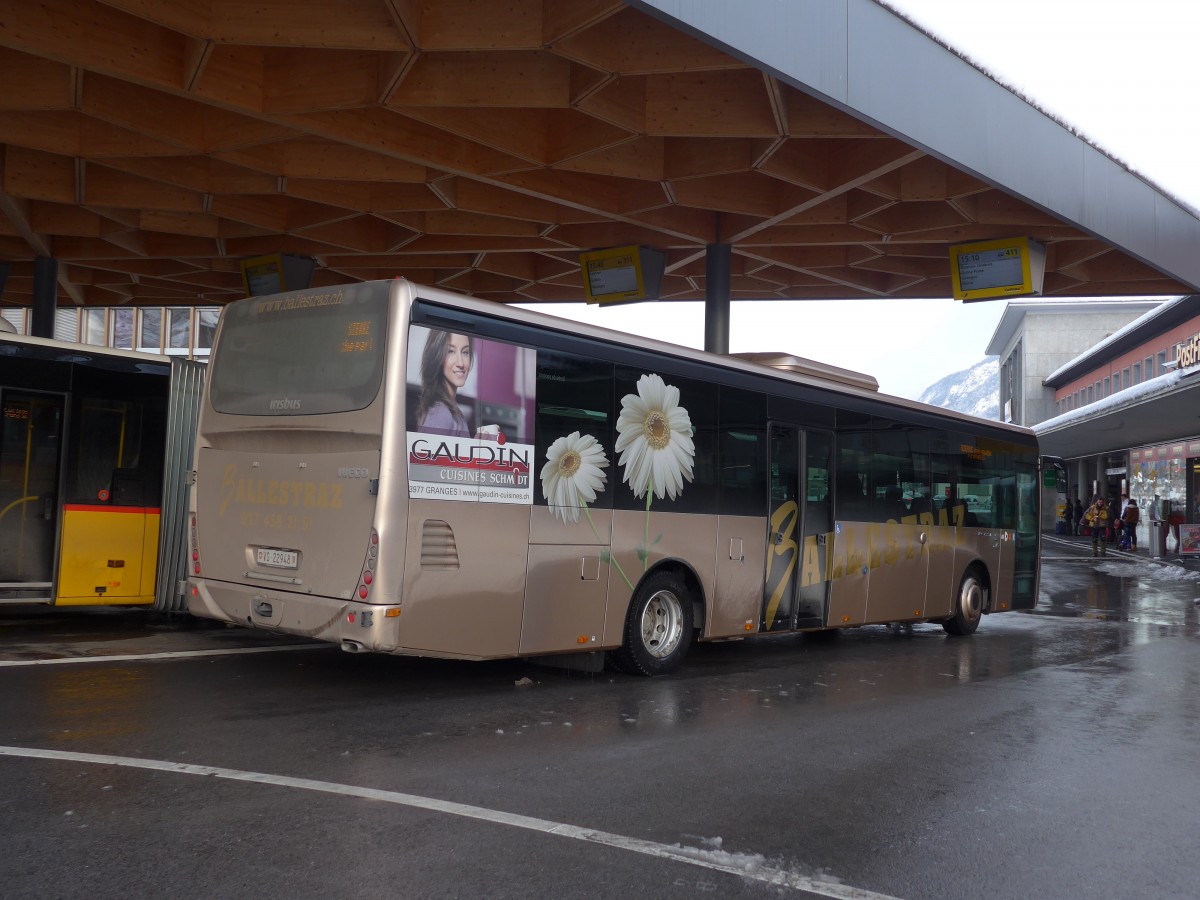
column 1009, row 267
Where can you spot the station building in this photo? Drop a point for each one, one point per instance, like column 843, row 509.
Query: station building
column 1123, row 411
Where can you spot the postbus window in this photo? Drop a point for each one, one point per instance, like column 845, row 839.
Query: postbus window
column 116, row 457
column 743, row 478
column 650, row 400
column 574, row 403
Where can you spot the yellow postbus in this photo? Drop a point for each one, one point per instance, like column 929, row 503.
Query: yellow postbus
column 95, row 451
column 396, row 468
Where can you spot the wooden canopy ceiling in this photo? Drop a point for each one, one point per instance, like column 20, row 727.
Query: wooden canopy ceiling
column 149, row 145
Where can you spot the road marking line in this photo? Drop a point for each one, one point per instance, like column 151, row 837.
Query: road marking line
column 751, row 867
column 174, row 654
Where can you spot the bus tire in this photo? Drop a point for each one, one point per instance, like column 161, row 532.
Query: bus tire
column 968, row 605
column 658, row 627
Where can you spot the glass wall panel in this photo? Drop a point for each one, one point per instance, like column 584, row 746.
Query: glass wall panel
column 123, row 329
column 151, row 335
column 94, row 327
column 179, row 319
column 206, row 327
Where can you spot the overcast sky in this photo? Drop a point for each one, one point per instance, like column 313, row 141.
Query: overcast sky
column 1123, row 74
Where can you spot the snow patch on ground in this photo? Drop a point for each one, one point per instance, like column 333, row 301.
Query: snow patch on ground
column 1148, row 571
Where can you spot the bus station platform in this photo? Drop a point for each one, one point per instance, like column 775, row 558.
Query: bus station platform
column 1082, row 545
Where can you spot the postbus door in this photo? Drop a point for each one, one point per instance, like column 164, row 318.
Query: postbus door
column 30, row 454
column 798, row 528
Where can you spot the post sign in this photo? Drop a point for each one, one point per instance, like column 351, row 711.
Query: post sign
column 622, row 274
column 1187, row 353
column 987, row 270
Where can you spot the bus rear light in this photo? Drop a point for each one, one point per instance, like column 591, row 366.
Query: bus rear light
column 195, row 545
column 366, row 575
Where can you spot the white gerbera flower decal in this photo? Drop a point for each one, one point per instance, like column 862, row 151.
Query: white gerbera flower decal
column 572, row 476
column 654, row 438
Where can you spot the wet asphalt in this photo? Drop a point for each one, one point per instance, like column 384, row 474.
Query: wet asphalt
column 1051, row 754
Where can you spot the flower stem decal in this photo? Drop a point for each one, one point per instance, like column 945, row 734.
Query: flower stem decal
column 654, row 440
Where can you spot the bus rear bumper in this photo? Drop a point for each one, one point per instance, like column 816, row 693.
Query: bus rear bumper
column 319, row 618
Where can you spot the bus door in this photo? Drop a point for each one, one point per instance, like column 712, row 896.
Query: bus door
column 798, row 528
column 30, row 455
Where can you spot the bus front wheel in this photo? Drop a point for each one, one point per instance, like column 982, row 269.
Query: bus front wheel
column 968, row 606
column 658, row 627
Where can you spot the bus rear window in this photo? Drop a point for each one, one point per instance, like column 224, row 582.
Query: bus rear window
column 301, row 354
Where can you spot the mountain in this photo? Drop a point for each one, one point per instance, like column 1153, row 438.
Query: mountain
column 975, row 390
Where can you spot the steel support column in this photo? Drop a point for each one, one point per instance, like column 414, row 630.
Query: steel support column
column 45, row 296
column 716, row 298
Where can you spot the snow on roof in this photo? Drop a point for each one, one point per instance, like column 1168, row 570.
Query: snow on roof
column 1130, row 396
column 1008, row 83
column 1098, row 348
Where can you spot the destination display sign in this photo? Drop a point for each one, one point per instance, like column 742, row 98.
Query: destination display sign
column 987, row 270
column 622, row 274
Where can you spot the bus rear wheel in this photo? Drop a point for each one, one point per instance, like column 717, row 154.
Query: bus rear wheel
column 658, row 627
column 968, row 606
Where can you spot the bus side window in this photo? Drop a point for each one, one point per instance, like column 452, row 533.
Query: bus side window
column 575, row 394
column 850, row 499
column 699, row 400
column 743, row 453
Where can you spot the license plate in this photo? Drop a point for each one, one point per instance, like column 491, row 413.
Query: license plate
column 281, row 559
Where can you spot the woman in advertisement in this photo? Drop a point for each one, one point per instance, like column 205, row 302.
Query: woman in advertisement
column 445, row 365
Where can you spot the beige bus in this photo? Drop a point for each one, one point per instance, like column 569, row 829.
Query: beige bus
column 400, row 469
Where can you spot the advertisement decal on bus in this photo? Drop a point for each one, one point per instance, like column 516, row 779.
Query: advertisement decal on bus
column 470, row 435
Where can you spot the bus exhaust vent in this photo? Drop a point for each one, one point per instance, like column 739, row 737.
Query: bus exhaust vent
column 438, row 550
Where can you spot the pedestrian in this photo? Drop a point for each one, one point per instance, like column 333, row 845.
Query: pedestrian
column 1097, row 519
column 1077, row 516
column 1114, row 520
column 1130, row 521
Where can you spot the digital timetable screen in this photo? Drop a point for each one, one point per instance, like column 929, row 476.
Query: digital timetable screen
column 1011, row 267
column 622, row 274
